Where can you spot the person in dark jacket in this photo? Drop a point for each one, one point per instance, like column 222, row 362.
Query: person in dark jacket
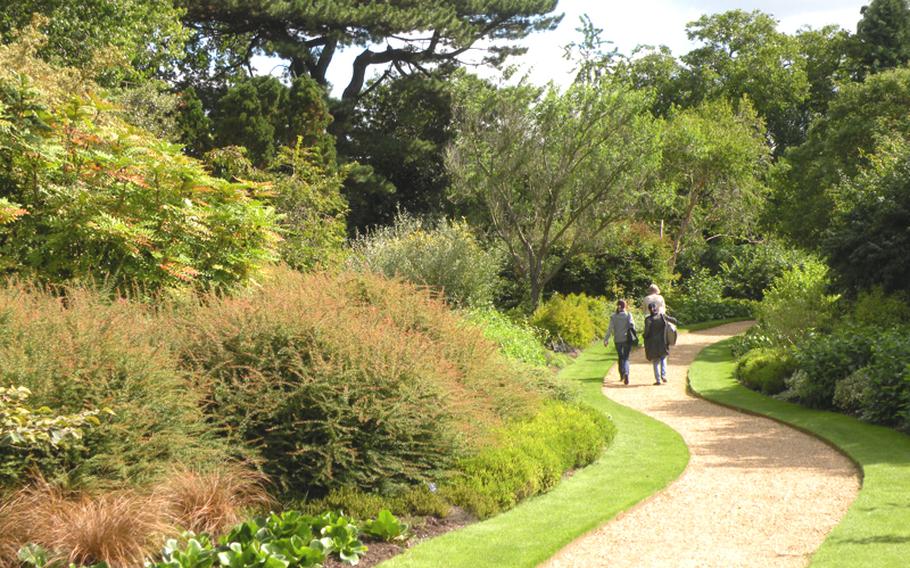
column 656, row 348
column 621, row 323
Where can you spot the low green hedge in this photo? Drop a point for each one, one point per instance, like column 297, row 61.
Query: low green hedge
column 519, row 341
column 531, row 458
column 765, row 370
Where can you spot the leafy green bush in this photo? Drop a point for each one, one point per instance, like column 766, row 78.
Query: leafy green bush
column 445, row 256
column 825, row 359
column 880, row 391
column 349, row 379
column 565, row 321
column 76, row 349
column 751, row 268
column 575, row 319
column 516, row 340
column 797, row 302
column 36, row 439
column 701, row 299
column 875, row 308
column 306, row 194
column 530, row 458
column 104, row 199
column 765, row 370
column 632, row 259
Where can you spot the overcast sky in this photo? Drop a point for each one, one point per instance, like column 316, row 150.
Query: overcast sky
column 631, row 23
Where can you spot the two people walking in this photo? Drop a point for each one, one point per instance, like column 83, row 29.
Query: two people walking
column 659, row 335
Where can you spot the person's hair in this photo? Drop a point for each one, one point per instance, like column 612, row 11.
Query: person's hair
column 653, row 289
column 620, row 305
column 652, row 307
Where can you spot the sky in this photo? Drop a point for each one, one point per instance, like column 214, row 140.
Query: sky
column 631, row 23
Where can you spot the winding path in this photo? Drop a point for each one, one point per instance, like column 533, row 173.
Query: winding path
column 755, row 493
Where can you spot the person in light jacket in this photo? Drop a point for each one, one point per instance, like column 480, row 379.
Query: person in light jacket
column 654, row 297
column 621, row 323
column 656, row 348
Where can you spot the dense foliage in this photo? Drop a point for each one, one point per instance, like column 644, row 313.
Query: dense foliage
column 765, row 370
column 701, row 298
column 530, row 459
column 631, row 259
column 93, row 196
column 516, row 339
column 78, row 351
column 573, row 320
column 338, row 380
column 445, row 256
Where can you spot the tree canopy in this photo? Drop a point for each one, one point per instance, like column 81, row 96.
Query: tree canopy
column 145, row 34
column 882, row 39
column 418, row 34
column 838, row 146
column 551, row 169
column 714, row 158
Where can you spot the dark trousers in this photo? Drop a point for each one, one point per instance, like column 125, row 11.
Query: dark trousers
column 623, row 350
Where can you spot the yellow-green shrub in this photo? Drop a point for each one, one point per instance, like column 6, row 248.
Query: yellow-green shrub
column 530, row 458
column 765, row 370
column 567, row 321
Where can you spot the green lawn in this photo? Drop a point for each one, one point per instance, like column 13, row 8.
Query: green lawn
column 876, row 530
column 645, row 456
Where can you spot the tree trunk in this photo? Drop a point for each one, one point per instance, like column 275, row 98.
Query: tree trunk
column 683, row 227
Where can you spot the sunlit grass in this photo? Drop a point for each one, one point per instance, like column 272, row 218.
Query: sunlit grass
column 876, row 529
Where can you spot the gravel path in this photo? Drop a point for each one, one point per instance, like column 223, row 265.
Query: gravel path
column 755, row 493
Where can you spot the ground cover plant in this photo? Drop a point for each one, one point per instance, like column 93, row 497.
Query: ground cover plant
column 874, row 531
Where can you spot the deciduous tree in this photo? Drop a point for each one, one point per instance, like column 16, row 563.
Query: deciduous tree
column 714, row 158
column 551, row 169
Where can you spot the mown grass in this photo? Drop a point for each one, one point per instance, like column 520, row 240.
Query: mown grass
column 646, row 455
column 876, row 529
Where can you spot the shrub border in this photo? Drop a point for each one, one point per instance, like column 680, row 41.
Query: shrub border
column 645, row 457
column 876, row 529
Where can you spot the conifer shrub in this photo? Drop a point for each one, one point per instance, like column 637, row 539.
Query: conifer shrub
column 74, row 349
column 349, row 379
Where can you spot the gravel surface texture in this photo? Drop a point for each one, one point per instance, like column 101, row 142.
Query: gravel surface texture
column 755, row 493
